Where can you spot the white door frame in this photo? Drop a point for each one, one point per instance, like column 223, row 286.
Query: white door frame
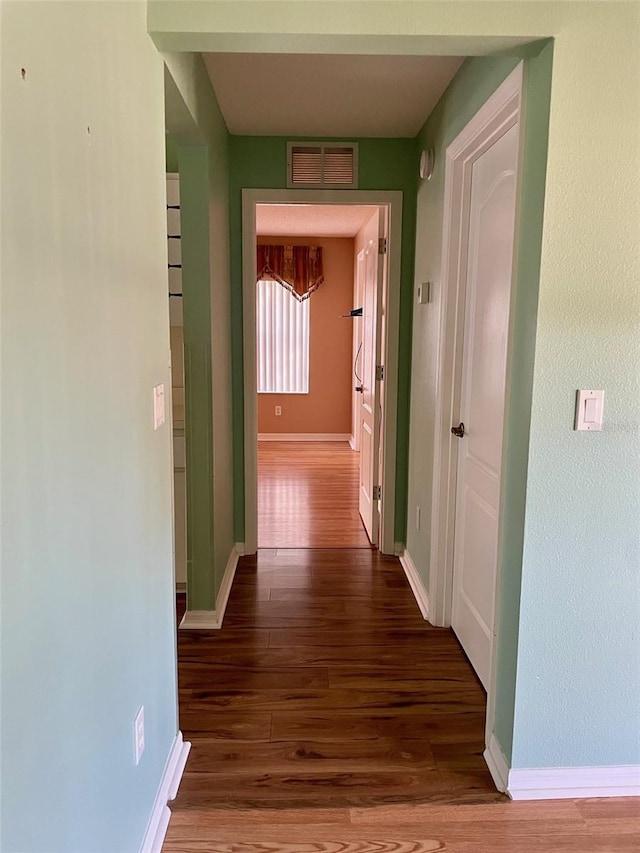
column 358, row 276
column 392, row 201
column 496, row 116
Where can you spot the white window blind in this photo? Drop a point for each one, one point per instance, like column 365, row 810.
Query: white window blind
column 282, row 340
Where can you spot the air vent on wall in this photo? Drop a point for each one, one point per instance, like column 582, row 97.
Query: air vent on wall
column 313, row 164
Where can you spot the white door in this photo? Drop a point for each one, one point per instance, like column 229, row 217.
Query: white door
column 491, row 227
column 358, row 296
column 370, row 396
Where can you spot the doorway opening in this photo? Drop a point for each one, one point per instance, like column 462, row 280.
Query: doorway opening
column 177, row 407
column 311, row 685
column 314, row 371
column 320, row 371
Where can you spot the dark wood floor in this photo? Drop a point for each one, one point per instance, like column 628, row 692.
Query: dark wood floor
column 308, row 495
column 327, row 717
column 326, row 687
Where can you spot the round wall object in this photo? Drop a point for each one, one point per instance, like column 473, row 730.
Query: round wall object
column 427, row 162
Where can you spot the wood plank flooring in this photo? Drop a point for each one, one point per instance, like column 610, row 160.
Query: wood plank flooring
column 561, row 826
column 327, row 717
column 326, row 686
column 308, row 495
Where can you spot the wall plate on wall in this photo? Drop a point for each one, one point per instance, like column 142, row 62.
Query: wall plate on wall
column 589, row 405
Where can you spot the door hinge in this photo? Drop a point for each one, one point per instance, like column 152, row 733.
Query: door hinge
column 377, row 493
column 382, row 246
column 379, row 372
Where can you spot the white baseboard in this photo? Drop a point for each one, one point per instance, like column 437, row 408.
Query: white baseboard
column 199, row 620
column 303, row 436
column 227, row 580
column 415, row 581
column 169, row 784
column 352, row 443
column 497, row 763
column 204, row 620
column 240, row 548
column 558, row 783
column 398, row 548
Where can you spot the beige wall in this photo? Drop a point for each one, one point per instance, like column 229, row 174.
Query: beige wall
column 327, row 406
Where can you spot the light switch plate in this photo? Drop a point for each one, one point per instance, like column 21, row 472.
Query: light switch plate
column 589, row 405
column 138, row 735
column 158, row 405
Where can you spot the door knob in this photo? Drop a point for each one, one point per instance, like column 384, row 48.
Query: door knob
column 459, row 430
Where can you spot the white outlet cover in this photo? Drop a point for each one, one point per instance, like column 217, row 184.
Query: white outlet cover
column 138, row 735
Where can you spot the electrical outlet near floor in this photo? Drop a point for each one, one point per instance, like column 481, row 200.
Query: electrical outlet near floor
column 417, row 518
column 138, row 734
column 278, row 410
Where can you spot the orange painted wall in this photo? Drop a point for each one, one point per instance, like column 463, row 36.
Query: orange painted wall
column 327, row 406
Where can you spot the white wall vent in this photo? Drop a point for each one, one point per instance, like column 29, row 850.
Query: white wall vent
column 322, row 164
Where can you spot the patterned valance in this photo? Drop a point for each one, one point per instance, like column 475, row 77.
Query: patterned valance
column 298, row 268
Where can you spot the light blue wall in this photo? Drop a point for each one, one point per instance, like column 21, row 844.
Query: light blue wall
column 88, row 624
column 577, row 699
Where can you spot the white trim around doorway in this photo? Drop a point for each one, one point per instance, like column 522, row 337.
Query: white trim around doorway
column 500, row 112
column 392, row 201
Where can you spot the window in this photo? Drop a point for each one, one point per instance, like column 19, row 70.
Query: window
column 282, row 340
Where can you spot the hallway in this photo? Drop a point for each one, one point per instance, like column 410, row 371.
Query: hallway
column 326, row 687
column 328, row 716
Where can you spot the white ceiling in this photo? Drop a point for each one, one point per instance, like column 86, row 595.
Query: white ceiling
column 340, row 95
column 311, row 220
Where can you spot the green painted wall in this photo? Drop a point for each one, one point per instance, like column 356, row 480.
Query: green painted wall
column 384, row 164
column 88, row 615
column 577, row 680
column 478, row 78
column 202, row 143
column 193, row 166
column 537, row 90
column 171, row 153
